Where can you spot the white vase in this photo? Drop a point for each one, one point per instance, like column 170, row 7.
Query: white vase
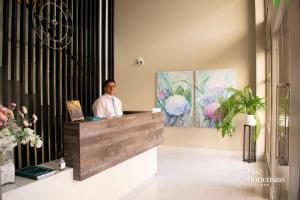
column 250, row 120
column 7, row 167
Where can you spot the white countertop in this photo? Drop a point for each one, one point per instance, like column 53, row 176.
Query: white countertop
column 21, row 181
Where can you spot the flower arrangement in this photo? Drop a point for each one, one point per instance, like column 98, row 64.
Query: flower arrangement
column 15, row 127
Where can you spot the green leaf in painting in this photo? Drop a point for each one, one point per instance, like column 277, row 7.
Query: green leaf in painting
column 188, row 95
column 179, row 90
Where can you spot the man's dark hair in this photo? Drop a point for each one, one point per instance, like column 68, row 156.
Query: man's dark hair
column 108, row 81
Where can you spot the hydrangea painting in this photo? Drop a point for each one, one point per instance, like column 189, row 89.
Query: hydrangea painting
column 175, row 97
column 210, row 85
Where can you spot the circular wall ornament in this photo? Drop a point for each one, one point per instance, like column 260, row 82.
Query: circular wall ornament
column 53, row 23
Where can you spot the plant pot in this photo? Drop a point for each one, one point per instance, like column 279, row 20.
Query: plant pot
column 7, row 167
column 250, row 120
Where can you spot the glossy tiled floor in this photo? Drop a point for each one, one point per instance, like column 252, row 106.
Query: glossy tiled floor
column 196, row 174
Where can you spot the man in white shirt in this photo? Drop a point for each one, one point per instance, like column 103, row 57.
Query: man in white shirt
column 108, row 105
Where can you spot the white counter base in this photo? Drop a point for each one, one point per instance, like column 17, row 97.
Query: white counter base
column 110, row 184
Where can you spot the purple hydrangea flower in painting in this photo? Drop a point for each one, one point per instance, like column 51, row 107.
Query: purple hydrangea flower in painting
column 208, row 100
column 210, row 110
column 177, row 105
column 221, row 92
column 163, row 94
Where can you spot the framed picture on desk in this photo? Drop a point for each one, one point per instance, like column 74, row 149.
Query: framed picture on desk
column 75, row 110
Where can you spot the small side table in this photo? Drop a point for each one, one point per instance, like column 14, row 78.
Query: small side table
column 249, row 144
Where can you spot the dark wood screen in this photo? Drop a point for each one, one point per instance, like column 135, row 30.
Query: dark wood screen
column 43, row 78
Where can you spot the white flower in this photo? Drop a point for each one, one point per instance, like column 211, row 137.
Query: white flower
column 32, row 143
column 39, row 143
column 36, row 141
column 25, row 122
column 177, row 105
column 29, row 131
column 24, row 109
column 34, row 118
column 8, row 142
column 25, row 140
column 30, row 135
column 4, row 132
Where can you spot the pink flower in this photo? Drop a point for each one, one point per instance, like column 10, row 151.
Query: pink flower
column 1, row 123
column 34, row 118
column 16, row 128
column 24, row 109
column 163, row 94
column 13, row 106
column 2, row 108
column 25, row 122
column 210, row 111
column 10, row 113
column 3, row 116
column 21, row 114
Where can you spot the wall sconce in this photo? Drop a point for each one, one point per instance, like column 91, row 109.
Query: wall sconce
column 140, row 61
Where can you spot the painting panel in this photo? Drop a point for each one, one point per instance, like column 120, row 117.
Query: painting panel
column 210, row 86
column 175, row 97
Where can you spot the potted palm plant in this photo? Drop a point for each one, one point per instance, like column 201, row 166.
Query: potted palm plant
column 241, row 101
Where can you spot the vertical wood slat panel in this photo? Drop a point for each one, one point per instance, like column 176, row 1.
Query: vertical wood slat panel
column 31, row 78
column 111, row 39
column 89, row 58
column 25, row 148
column 98, row 50
column 14, row 52
column 14, row 71
column 5, row 51
column 75, row 45
column 66, row 69
column 52, row 134
column 21, row 158
column 38, row 97
column 84, row 58
column 94, row 48
column 50, row 77
column 86, row 41
column 46, row 93
column 66, row 77
column 58, row 83
column 80, row 59
column 99, row 46
column 92, row 54
column 53, row 86
column 103, row 43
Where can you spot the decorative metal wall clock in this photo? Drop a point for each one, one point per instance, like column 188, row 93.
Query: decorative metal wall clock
column 53, row 23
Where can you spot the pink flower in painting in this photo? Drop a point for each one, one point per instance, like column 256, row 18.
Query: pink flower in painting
column 210, row 111
column 163, row 94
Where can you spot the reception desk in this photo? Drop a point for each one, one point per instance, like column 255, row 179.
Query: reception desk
column 92, row 147
column 106, row 160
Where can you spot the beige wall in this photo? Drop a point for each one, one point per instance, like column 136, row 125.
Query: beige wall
column 182, row 35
